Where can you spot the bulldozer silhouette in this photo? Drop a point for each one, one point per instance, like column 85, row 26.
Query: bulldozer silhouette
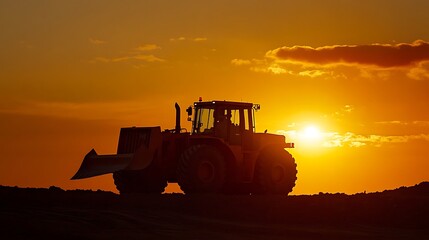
column 221, row 154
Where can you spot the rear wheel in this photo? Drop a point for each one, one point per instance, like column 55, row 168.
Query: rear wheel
column 139, row 181
column 275, row 172
column 201, row 169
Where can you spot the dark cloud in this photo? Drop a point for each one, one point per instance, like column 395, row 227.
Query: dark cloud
column 381, row 55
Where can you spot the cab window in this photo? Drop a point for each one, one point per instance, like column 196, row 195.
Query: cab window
column 204, row 121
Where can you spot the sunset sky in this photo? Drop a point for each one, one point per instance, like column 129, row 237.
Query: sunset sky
column 347, row 81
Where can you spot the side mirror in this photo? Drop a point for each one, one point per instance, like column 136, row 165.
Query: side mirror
column 189, row 111
column 256, row 107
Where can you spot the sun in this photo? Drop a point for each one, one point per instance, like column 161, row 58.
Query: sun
column 311, row 133
column 307, row 135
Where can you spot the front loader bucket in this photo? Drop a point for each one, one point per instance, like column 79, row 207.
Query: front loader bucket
column 137, row 149
column 94, row 164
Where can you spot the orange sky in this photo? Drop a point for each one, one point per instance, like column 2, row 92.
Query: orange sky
column 74, row 72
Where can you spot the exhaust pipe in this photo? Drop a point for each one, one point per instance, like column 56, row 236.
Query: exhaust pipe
column 178, row 128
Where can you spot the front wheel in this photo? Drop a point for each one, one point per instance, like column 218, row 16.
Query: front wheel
column 201, row 169
column 275, row 172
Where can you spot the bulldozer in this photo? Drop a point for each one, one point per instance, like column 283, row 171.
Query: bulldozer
column 222, row 154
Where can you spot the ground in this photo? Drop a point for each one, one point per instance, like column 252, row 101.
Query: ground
column 29, row 213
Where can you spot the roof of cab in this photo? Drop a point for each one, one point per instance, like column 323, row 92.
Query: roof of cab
column 223, row 103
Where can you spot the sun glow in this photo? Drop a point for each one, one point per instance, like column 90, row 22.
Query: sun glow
column 311, row 133
column 310, row 136
column 306, row 135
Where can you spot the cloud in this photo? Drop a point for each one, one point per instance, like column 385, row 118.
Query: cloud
column 380, row 55
column 277, row 67
column 349, row 139
column 96, row 41
column 348, row 108
column 148, row 58
column 137, row 54
column 355, row 140
column 372, row 61
column 197, row 39
column 139, row 57
column 345, row 110
column 312, row 73
column 404, row 123
column 240, row 62
column 147, row 47
column 177, row 39
column 419, row 72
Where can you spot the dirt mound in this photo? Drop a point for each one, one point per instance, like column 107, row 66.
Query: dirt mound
column 82, row 214
column 421, row 189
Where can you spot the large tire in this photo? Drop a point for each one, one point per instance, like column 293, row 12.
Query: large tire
column 275, row 172
column 201, row 169
column 141, row 181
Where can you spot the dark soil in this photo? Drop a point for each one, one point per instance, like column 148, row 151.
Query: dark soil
column 29, row 213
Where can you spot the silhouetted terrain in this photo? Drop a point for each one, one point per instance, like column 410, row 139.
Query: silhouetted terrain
column 28, row 213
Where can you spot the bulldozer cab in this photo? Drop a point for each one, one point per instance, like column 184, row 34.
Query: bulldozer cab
column 223, row 119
